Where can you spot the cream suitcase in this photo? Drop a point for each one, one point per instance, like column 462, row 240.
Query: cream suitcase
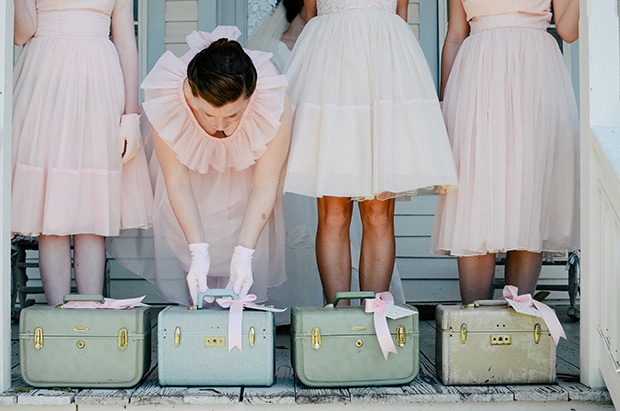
column 490, row 344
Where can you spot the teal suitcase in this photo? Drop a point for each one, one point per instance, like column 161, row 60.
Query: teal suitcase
column 193, row 350
column 84, row 348
column 338, row 346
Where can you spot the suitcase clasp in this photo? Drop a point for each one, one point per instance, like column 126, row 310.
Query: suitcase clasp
column 177, row 336
column 537, row 332
column 122, row 338
column 252, row 336
column 463, row 333
column 316, row 338
column 401, row 338
column 38, row 338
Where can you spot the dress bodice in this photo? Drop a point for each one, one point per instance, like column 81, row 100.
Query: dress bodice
column 74, row 17
column 485, row 14
column 333, row 6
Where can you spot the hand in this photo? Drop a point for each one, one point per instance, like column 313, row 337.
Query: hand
column 131, row 137
column 441, row 189
column 198, row 270
column 241, row 271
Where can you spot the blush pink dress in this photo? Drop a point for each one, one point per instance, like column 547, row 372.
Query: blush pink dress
column 221, row 172
column 512, row 119
column 69, row 96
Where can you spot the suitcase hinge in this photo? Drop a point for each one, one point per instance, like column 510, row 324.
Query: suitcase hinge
column 401, row 338
column 252, row 336
column 122, row 338
column 38, row 338
column 177, row 336
column 537, row 332
column 463, row 333
column 316, row 338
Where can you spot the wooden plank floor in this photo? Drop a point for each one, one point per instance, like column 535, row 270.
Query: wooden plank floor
column 426, row 388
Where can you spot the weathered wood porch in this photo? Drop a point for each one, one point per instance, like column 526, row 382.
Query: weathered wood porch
column 424, row 392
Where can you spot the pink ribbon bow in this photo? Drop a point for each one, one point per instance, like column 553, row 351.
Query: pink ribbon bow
column 235, row 318
column 377, row 306
column 202, row 39
column 548, row 314
column 109, row 303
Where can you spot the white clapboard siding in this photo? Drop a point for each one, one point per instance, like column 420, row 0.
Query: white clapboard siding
column 181, row 19
column 413, row 16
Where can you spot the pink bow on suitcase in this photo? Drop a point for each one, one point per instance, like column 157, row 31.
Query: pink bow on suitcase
column 235, row 318
column 551, row 319
column 378, row 306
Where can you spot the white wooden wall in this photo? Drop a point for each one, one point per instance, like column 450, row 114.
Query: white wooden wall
column 600, row 195
column 181, row 19
column 6, row 87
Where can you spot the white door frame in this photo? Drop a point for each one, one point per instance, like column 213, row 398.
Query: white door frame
column 6, row 110
column 600, row 110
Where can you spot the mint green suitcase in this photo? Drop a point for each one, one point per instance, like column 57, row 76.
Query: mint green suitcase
column 84, row 348
column 338, row 347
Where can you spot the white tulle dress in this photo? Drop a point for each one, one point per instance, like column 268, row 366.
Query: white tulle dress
column 512, row 118
column 367, row 121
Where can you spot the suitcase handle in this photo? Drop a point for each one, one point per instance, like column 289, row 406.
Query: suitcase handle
column 83, row 297
column 487, row 303
column 352, row 295
column 215, row 292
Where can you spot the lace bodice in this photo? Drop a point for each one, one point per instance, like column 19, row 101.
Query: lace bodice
column 483, row 8
column 333, row 6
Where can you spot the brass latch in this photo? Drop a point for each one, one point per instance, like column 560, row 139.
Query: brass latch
column 537, row 332
column 122, row 338
column 505, row 339
column 215, row 342
column 80, row 344
column 401, row 338
column 359, row 343
column 252, row 336
column 80, row 329
column 316, row 338
column 463, row 333
column 38, row 338
column 177, row 336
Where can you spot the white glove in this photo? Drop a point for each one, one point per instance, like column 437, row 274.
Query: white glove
column 198, row 270
column 131, row 137
column 241, row 271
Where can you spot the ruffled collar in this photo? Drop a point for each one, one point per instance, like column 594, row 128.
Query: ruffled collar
column 169, row 113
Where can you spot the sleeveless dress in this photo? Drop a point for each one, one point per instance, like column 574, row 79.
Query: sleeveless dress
column 366, row 118
column 512, row 119
column 221, row 172
column 69, row 96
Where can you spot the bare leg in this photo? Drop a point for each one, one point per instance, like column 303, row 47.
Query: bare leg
column 378, row 245
column 476, row 277
column 89, row 262
column 523, row 270
column 333, row 251
column 55, row 267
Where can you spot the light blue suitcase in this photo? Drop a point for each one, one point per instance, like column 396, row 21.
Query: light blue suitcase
column 193, row 347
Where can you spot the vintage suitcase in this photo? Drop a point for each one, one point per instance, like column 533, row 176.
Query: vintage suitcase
column 193, row 347
column 486, row 343
column 338, row 346
column 84, row 348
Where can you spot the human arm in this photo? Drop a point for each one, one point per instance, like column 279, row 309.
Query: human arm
column 458, row 30
column 265, row 184
column 183, row 203
column 25, row 21
column 124, row 39
column 310, row 8
column 566, row 14
column 402, row 8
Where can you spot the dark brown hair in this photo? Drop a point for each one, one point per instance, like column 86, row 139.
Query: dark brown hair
column 293, row 8
column 222, row 73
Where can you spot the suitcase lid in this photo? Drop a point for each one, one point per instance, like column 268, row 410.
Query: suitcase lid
column 86, row 323
column 485, row 319
column 212, row 320
column 345, row 320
